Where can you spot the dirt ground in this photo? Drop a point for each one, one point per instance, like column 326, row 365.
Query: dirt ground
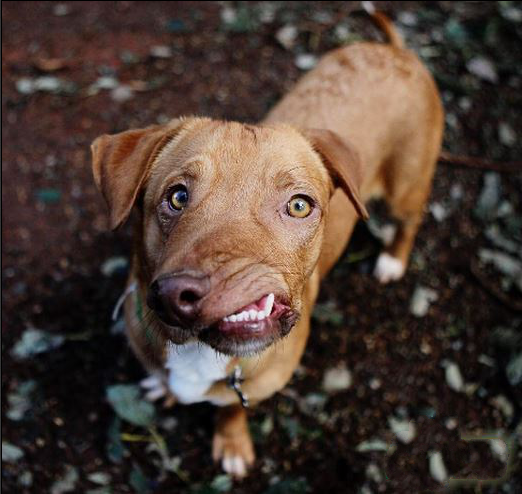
column 110, row 66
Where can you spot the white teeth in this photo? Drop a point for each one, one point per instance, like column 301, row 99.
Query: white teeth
column 252, row 314
column 269, row 304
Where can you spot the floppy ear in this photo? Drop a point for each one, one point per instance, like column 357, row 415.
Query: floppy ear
column 121, row 163
column 342, row 162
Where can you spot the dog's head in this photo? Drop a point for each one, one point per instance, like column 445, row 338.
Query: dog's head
column 231, row 221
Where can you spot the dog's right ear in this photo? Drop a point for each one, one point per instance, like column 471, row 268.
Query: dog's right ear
column 121, row 163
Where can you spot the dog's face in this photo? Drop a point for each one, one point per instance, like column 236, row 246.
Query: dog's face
column 232, row 220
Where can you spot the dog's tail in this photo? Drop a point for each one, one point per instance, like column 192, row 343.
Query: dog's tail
column 384, row 24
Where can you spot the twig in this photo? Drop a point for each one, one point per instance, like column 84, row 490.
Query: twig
column 481, row 164
column 492, row 290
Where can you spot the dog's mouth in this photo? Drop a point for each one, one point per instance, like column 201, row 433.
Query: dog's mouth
column 252, row 328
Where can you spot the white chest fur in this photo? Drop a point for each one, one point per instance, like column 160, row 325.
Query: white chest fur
column 193, row 368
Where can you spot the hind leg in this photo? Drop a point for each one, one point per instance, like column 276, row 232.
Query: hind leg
column 407, row 191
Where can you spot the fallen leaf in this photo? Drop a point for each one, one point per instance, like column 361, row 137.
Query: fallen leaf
column 372, row 445
column 128, row 404
column 100, row 478
column 289, row 486
column 483, row 68
column 50, row 64
column 115, row 448
column 19, row 401
column 139, row 482
column 11, row 453
column 489, row 198
column 35, row 341
column 67, row 483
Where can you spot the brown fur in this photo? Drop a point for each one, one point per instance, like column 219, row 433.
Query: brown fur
column 380, row 122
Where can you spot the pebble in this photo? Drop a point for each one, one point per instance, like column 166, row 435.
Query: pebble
column 375, row 383
column 499, row 449
column 342, row 33
column 451, row 423
column 437, row 468
column 483, row 68
column 122, row 93
column 287, row 36
column 506, row 134
column 305, row 61
column 61, row 9
column 405, row 430
column 337, row 379
column 454, row 377
column 407, row 18
column 421, row 300
column 161, row 51
column 439, row 212
column 374, row 473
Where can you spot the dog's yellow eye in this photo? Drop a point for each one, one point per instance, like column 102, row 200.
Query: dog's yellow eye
column 299, row 207
column 178, row 197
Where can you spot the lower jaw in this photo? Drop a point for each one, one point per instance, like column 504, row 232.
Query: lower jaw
column 247, row 341
column 241, row 342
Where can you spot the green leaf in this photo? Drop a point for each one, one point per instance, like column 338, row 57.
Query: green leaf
column 126, row 401
column 67, row 483
column 221, row 483
column 328, row 313
column 138, row 481
column 115, row 448
column 289, row 486
column 48, row 196
column 514, row 370
column 20, row 400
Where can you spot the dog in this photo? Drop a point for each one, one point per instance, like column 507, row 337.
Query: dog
column 237, row 224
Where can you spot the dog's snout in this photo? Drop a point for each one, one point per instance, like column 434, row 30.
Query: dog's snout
column 176, row 299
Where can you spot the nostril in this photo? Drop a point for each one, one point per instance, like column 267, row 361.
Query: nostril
column 188, row 297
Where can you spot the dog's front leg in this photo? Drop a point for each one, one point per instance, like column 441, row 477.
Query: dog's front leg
column 232, row 444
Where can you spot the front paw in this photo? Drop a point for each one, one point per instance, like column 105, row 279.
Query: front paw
column 236, row 453
column 156, row 388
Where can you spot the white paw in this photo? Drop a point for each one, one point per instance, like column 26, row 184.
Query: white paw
column 234, row 465
column 154, row 386
column 388, row 268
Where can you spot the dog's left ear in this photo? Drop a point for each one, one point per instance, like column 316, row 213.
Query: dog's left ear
column 342, row 162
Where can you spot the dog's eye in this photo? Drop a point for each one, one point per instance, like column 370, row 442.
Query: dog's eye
column 178, row 197
column 299, row 207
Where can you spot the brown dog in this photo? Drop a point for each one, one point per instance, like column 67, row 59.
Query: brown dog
column 237, row 224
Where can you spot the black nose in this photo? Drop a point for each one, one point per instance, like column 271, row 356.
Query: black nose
column 176, row 299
